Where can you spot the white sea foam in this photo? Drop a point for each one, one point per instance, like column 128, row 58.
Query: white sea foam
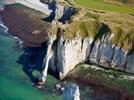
column 3, row 28
column 19, row 41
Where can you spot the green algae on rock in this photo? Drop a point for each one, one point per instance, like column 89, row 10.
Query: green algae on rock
column 114, row 80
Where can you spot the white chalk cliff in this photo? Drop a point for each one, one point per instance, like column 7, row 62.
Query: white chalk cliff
column 101, row 52
column 34, row 4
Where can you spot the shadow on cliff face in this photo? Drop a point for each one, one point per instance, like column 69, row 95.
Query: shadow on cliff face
column 52, row 7
column 65, row 12
column 103, row 31
column 32, row 59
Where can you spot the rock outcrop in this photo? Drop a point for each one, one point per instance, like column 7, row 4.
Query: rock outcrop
column 65, row 12
column 101, row 52
column 71, row 92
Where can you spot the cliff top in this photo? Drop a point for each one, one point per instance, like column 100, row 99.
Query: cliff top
column 88, row 22
column 121, row 6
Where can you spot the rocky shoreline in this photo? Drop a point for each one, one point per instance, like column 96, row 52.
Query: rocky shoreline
column 104, row 80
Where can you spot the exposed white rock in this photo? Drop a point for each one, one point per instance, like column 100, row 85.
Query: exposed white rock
column 35, row 4
column 59, row 11
column 47, row 58
column 10, row 1
column 71, row 92
column 127, row 77
column 69, row 54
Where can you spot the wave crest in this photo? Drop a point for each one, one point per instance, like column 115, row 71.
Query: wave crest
column 3, row 28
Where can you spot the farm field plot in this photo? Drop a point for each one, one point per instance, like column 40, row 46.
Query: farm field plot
column 101, row 5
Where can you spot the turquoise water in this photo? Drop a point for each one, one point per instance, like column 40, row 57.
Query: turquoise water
column 14, row 83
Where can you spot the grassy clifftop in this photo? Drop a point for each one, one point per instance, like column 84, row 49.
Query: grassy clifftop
column 106, row 5
column 81, row 28
column 116, row 14
column 94, row 24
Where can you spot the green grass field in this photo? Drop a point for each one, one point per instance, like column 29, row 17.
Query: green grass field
column 100, row 5
column 14, row 83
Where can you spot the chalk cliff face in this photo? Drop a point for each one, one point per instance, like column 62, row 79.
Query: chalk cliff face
column 107, row 55
column 68, row 53
column 99, row 50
